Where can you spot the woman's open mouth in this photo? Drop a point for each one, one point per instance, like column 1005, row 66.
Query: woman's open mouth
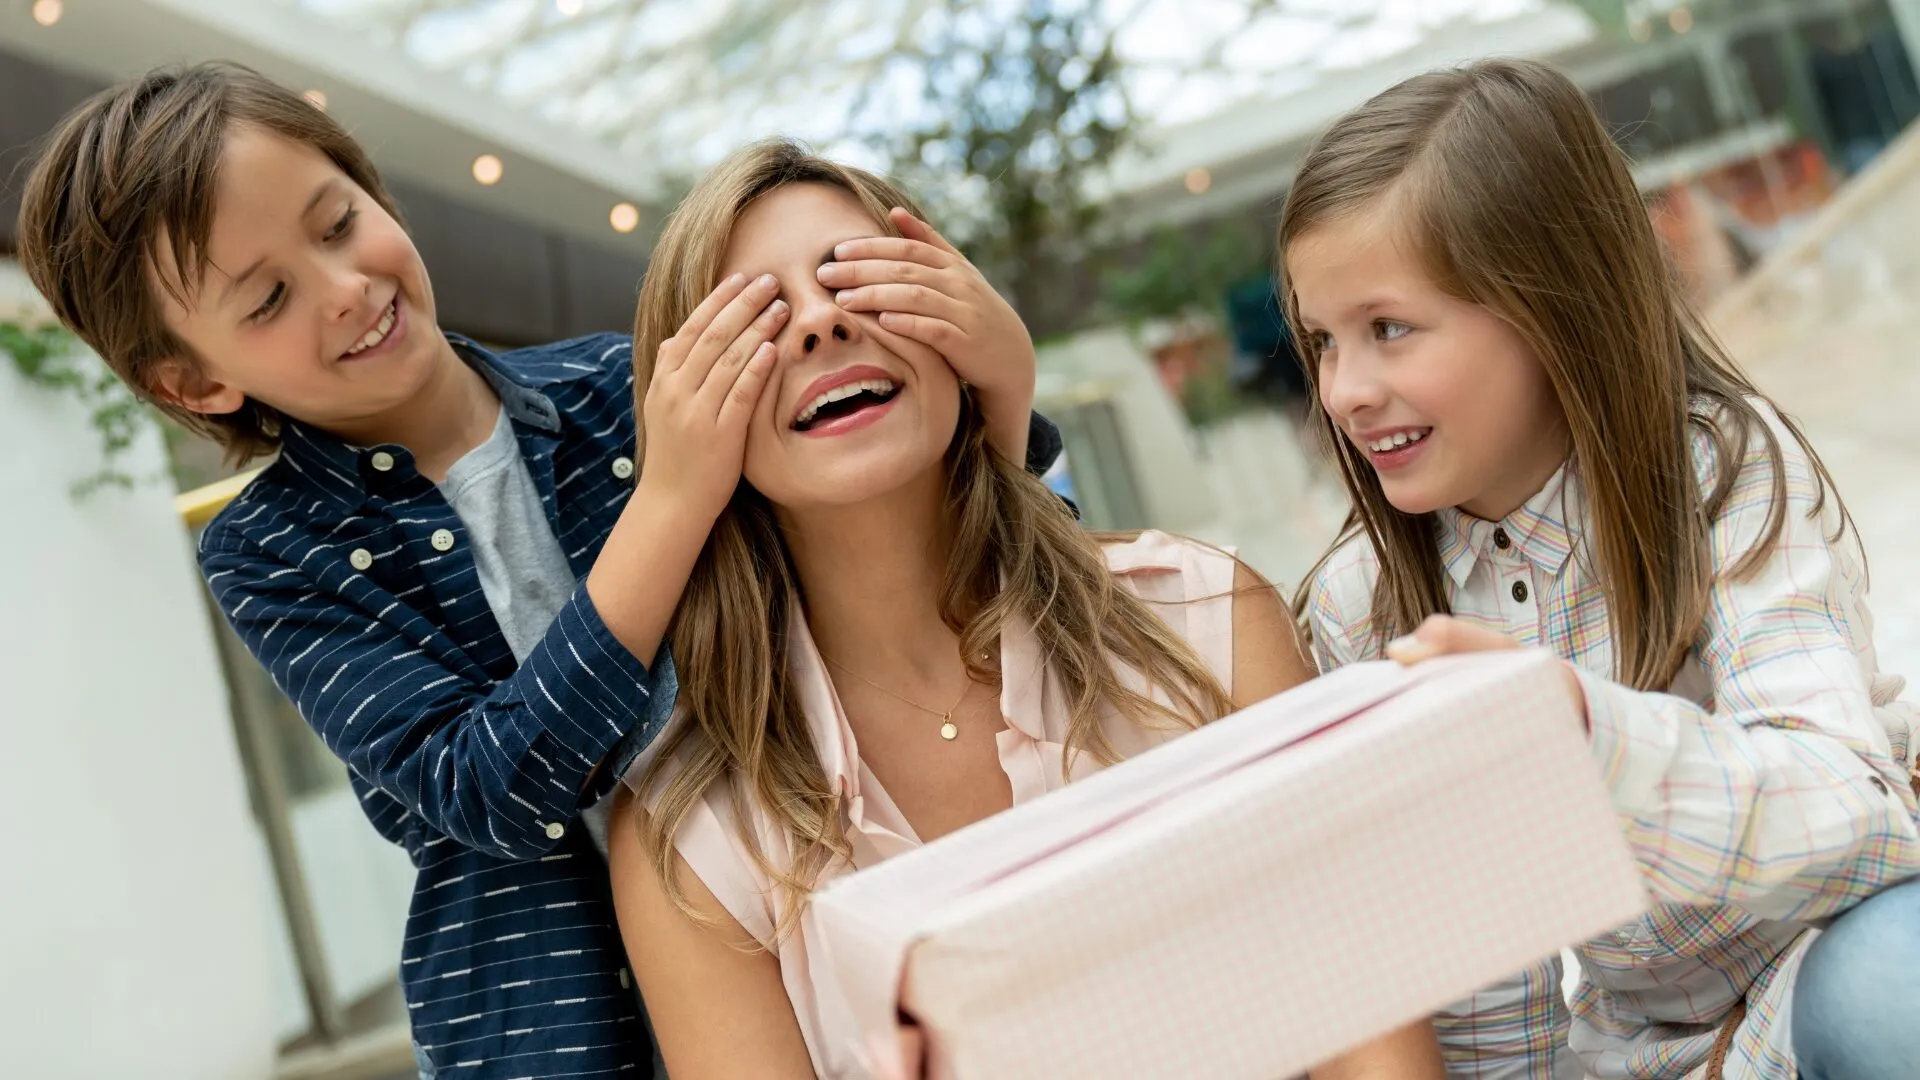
column 847, row 406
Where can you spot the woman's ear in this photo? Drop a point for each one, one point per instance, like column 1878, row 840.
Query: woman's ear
column 178, row 383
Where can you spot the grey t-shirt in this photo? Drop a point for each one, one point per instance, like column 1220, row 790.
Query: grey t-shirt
column 522, row 569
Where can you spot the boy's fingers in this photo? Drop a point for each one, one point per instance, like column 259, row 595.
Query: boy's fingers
column 743, row 395
column 908, row 299
column 882, row 325
column 745, row 348
column 939, row 335
column 674, row 351
column 916, row 229
column 892, row 249
column 878, row 271
column 736, row 320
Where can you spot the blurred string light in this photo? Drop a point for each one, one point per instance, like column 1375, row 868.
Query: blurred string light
column 316, row 98
column 1198, row 181
column 48, row 12
column 625, row 217
column 487, row 169
column 1681, row 19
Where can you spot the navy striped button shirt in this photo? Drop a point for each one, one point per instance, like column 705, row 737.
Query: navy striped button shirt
column 335, row 569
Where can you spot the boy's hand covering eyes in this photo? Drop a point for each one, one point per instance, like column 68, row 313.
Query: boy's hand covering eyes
column 922, row 288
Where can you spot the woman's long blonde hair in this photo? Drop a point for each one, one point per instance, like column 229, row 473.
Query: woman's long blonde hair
column 1016, row 553
column 1519, row 201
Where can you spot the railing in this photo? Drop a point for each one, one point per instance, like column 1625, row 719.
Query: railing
column 332, row 1048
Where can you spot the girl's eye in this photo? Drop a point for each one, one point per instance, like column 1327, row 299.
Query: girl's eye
column 1388, row 330
column 344, row 225
column 271, row 304
column 1320, row 342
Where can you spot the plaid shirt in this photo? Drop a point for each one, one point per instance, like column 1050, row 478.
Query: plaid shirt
column 1767, row 789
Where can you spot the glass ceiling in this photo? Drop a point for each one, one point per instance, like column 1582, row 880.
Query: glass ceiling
column 676, row 84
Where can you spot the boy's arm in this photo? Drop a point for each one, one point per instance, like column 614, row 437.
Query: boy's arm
column 500, row 769
column 1043, row 443
column 503, row 769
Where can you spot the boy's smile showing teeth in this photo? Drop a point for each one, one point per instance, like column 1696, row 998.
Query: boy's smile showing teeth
column 378, row 334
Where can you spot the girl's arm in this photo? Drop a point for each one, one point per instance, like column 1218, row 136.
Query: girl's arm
column 714, row 995
column 1786, row 795
column 1268, row 658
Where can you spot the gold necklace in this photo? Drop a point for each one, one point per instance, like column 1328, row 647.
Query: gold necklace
column 948, row 729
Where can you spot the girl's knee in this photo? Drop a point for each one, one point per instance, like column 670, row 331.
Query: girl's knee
column 1881, row 933
column 1858, row 989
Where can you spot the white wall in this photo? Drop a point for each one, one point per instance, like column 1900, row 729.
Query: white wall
column 1159, row 442
column 360, row 886
column 136, row 937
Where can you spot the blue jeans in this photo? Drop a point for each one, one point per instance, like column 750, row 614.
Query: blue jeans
column 1857, row 997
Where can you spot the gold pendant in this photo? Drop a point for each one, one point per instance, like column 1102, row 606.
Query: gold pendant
column 949, row 731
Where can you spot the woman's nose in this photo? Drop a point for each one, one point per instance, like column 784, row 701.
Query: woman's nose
column 817, row 320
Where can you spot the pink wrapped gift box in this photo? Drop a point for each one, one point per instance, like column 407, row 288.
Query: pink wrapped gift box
column 1256, row 897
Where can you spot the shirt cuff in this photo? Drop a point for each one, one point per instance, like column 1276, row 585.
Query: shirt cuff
column 589, row 692
column 662, row 694
column 1613, row 714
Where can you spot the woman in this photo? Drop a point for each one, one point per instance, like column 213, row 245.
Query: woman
column 893, row 631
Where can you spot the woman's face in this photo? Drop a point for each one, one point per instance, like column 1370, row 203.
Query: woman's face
column 851, row 411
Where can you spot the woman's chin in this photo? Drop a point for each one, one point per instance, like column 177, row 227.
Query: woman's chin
column 851, row 479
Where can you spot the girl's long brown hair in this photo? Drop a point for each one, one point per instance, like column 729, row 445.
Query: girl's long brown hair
column 1518, row 200
column 1016, row 553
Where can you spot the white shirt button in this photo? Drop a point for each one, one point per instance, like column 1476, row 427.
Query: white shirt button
column 442, row 540
column 556, row 830
column 360, row 559
column 623, row 468
column 381, row 461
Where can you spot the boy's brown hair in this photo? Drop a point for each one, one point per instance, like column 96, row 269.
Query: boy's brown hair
column 121, row 200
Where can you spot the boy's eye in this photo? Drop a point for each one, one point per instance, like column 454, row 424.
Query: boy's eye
column 344, row 225
column 271, row 304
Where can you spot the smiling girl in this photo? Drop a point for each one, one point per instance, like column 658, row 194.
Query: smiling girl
column 1545, row 447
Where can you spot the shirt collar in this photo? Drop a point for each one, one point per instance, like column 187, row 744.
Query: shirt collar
column 1540, row 531
column 342, row 471
column 523, row 403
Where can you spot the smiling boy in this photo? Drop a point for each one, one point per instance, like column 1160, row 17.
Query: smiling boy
column 450, row 566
